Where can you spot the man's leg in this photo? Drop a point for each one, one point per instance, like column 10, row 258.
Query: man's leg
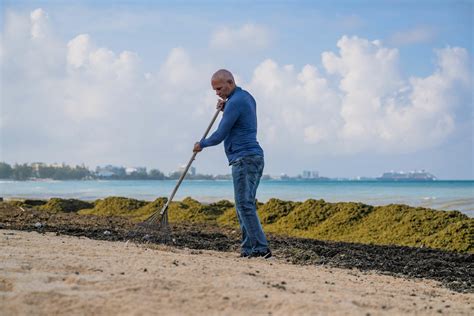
column 246, row 174
column 246, row 244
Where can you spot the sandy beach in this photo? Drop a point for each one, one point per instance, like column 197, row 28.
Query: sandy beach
column 48, row 274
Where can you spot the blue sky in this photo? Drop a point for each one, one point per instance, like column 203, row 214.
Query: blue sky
column 348, row 88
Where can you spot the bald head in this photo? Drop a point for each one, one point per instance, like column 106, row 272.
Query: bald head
column 223, row 83
column 223, row 74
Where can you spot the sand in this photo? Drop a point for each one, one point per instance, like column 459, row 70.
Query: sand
column 46, row 274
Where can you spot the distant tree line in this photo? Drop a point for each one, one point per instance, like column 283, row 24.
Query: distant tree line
column 26, row 171
column 65, row 172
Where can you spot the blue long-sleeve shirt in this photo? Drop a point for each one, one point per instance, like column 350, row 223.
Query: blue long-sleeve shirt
column 238, row 127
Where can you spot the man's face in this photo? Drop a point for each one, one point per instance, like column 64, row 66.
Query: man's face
column 223, row 88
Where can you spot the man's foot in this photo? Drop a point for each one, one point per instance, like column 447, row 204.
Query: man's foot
column 261, row 254
column 244, row 255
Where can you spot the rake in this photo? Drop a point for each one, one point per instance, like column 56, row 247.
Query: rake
column 159, row 219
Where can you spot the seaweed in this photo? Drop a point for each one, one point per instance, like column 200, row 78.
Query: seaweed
column 27, row 203
column 228, row 219
column 115, row 205
column 275, row 209
column 193, row 211
column 56, row 205
column 394, row 224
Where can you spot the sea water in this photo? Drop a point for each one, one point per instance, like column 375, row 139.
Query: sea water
column 443, row 195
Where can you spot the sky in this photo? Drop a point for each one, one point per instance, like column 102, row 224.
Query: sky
column 346, row 88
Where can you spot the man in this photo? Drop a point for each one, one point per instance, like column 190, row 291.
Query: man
column 238, row 130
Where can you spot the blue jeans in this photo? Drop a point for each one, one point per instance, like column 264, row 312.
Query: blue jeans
column 246, row 174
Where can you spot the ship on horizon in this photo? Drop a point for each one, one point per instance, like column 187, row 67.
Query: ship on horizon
column 417, row 175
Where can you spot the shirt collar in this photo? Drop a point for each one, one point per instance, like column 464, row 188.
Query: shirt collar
column 236, row 89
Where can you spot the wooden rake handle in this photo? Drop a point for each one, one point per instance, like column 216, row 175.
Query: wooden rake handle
column 181, row 178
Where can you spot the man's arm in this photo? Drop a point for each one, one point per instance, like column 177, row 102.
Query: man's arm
column 231, row 114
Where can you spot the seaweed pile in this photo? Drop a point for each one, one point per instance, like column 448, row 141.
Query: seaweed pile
column 188, row 210
column 393, row 224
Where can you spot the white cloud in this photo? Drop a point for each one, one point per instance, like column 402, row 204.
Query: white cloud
column 292, row 103
column 452, row 62
column 39, row 23
column 78, row 50
column 314, row 134
column 416, row 35
column 98, row 80
column 369, row 106
column 177, row 68
column 248, row 37
column 368, row 73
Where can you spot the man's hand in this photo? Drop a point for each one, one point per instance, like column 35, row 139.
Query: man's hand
column 220, row 104
column 197, row 148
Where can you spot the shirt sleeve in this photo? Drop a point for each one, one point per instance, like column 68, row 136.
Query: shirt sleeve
column 231, row 114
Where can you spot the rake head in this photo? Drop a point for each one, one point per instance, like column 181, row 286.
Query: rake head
column 157, row 221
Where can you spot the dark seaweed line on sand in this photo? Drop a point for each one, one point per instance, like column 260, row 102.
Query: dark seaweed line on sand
column 453, row 270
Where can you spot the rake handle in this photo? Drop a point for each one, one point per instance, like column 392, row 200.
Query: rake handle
column 181, row 178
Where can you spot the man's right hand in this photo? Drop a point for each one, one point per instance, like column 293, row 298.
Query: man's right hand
column 220, row 104
column 197, row 147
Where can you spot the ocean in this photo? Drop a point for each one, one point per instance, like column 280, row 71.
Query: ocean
column 442, row 195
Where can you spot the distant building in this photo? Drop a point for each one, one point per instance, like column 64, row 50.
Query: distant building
column 110, row 171
column 310, row 174
column 223, row 177
column 417, row 175
column 140, row 170
column 191, row 171
column 36, row 165
column 361, row 178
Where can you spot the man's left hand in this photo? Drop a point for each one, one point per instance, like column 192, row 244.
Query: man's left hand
column 220, row 104
column 197, row 147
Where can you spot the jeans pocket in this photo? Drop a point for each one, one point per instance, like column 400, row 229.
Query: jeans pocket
column 238, row 162
column 254, row 163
